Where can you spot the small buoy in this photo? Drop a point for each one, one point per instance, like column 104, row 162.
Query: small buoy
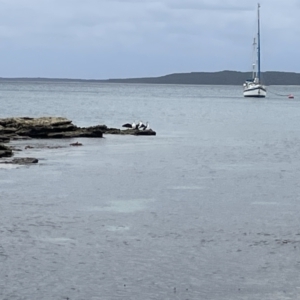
column 291, row 96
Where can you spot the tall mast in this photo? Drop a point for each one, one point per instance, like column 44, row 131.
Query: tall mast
column 258, row 44
column 254, row 59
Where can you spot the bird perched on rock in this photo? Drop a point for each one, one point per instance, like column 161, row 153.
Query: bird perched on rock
column 140, row 125
column 132, row 125
column 144, row 126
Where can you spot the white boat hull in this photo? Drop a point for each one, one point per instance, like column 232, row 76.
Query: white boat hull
column 255, row 90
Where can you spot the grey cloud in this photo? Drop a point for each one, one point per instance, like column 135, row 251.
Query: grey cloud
column 199, row 31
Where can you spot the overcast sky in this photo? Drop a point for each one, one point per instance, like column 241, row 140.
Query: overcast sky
column 100, row 39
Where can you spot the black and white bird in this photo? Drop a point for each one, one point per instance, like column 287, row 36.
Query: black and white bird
column 132, row 125
column 144, row 126
column 140, row 125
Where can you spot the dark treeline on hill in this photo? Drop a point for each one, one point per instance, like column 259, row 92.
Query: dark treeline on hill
column 218, row 78
column 207, row 78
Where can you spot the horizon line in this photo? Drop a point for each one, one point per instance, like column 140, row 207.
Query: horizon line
column 124, row 78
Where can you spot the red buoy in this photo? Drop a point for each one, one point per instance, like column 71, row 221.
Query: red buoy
column 291, row 96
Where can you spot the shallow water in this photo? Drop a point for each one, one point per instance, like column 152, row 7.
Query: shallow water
column 207, row 209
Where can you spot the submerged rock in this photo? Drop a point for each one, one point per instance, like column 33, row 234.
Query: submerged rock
column 21, row 161
column 24, row 160
column 76, row 144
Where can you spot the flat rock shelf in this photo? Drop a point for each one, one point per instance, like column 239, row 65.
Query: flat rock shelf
column 18, row 128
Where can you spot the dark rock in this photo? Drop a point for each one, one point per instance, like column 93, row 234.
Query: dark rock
column 35, row 127
column 4, row 139
column 46, row 127
column 7, row 137
column 34, row 122
column 113, row 131
column 21, row 161
column 76, row 144
column 43, row 131
column 55, row 147
column 19, row 137
column 43, row 146
column 103, row 128
column 145, row 132
column 138, row 132
column 7, row 130
column 90, row 132
column 51, row 127
column 5, row 151
column 56, row 128
column 24, row 160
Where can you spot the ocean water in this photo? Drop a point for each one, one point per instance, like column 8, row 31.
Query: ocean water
column 206, row 209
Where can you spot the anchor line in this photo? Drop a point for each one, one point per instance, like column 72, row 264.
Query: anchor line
column 283, row 95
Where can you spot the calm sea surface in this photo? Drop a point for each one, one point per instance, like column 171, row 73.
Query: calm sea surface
column 207, row 209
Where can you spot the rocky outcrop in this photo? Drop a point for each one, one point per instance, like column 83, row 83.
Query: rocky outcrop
column 129, row 131
column 50, row 127
column 56, row 128
column 46, row 127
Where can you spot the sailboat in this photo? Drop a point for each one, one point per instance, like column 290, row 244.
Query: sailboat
column 253, row 87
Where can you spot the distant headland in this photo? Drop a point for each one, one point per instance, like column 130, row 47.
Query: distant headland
column 216, row 78
column 197, row 78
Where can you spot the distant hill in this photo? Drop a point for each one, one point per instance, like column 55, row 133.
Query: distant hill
column 217, row 78
column 205, row 78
